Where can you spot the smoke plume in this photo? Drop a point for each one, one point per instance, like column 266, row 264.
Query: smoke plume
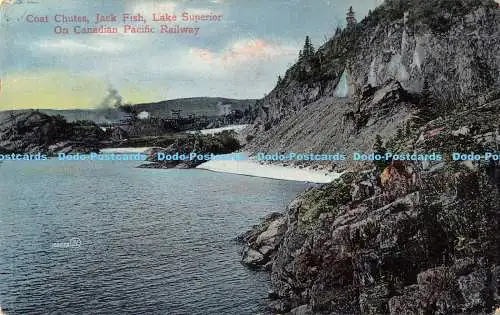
column 112, row 99
column 224, row 109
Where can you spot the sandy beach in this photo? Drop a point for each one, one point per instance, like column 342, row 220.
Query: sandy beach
column 126, row 150
column 252, row 167
column 237, row 128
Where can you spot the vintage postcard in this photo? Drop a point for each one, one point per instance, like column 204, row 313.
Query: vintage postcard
column 250, row 157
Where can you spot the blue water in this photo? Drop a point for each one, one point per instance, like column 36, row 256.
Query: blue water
column 108, row 238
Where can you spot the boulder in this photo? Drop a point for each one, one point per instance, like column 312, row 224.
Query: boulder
column 301, row 310
column 252, row 258
column 262, row 241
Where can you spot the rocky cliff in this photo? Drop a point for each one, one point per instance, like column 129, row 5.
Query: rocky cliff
column 420, row 239
column 407, row 237
column 364, row 81
column 35, row 132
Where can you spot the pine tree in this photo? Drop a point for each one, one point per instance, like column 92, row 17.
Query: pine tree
column 351, row 18
column 308, row 50
column 280, row 80
column 399, row 134
column 427, row 104
column 426, row 93
column 378, row 148
column 306, row 46
column 408, row 129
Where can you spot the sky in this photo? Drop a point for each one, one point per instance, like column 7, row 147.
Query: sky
column 239, row 56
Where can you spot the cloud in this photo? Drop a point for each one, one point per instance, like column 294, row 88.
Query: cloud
column 71, row 46
column 187, row 71
column 243, row 52
column 203, row 54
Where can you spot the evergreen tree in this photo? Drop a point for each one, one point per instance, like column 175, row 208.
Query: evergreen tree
column 378, row 148
column 308, row 50
column 399, row 134
column 301, row 74
column 408, row 129
column 306, row 46
column 310, row 47
column 426, row 93
column 351, row 18
column 427, row 104
column 280, row 80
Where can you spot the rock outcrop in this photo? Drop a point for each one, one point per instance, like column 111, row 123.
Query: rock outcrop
column 425, row 242
column 196, row 144
column 261, row 243
column 35, row 132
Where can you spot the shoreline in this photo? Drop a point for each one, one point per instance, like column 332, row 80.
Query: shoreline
column 126, row 150
column 236, row 128
column 253, row 168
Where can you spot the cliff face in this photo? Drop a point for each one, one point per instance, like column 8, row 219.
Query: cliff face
column 421, row 238
column 449, row 46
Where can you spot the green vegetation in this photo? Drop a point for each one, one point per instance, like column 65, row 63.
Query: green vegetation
column 326, row 199
column 398, row 143
column 425, row 12
column 307, row 52
column 429, row 108
column 228, row 140
column 378, row 148
column 280, row 81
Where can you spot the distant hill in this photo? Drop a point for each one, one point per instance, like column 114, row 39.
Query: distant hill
column 209, row 106
column 96, row 115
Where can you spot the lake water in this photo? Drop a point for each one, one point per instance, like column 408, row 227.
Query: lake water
column 108, row 238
